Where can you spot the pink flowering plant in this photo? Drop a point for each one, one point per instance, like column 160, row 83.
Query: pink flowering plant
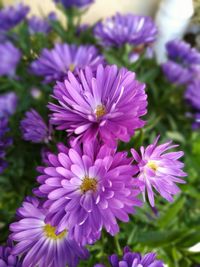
column 99, row 151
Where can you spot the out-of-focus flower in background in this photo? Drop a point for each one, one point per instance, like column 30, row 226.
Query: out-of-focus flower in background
column 74, row 3
column 126, row 29
column 9, row 58
column 54, row 64
column 8, row 104
column 34, row 128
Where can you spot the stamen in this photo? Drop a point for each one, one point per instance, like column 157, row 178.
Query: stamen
column 100, row 111
column 50, row 232
column 151, row 164
column 71, row 67
column 88, row 184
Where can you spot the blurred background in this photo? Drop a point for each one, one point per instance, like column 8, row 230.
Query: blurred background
column 101, row 8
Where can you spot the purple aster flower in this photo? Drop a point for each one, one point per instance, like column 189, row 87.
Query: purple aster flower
column 55, row 63
column 74, row 3
column 5, row 142
column 126, row 29
column 159, row 170
column 88, row 188
column 196, row 123
column 41, row 25
column 9, row 58
column 38, row 242
column 180, row 69
column 107, row 103
column 34, row 128
column 8, row 104
column 192, row 94
column 7, row 259
column 180, row 51
column 132, row 259
column 11, row 16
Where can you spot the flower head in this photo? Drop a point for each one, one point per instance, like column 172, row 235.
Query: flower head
column 40, row 25
column 8, row 104
column 181, row 66
column 74, row 3
column 88, row 188
column 159, row 170
column 126, row 29
column 132, row 259
column 34, row 128
column 5, row 142
column 12, row 15
column 107, row 103
column 9, row 58
column 54, row 64
column 38, row 242
column 7, row 259
column 192, row 94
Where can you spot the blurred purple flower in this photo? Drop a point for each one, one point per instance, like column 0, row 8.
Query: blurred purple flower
column 7, row 259
column 88, row 188
column 122, row 29
column 8, row 104
column 181, row 67
column 107, row 104
column 5, row 142
column 192, row 94
column 38, row 243
column 132, row 259
column 54, row 64
column 34, row 128
column 11, row 16
column 74, row 3
column 41, row 25
column 9, row 58
column 159, row 170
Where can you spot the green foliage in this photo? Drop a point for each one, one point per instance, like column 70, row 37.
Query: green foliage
column 170, row 231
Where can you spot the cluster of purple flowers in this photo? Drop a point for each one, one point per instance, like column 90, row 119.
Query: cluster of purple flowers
column 132, row 259
column 87, row 185
column 183, row 68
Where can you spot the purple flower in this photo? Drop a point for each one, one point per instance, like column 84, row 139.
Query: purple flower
column 107, row 103
column 180, row 51
column 196, row 123
column 38, row 242
column 54, row 64
column 177, row 74
column 34, row 128
column 181, row 66
column 5, row 142
column 9, row 58
column 122, row 29
column 74, row 3
column 40, row 25
column 192, row 94
column 159, row 170
column 88, row 188
column 132, row 259
column 7, row 259
column 12, row 15
column 8, row 104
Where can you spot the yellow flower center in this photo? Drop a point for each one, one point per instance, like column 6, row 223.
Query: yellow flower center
column 88, row 184
column 151, row 164
column 50, row 232
column 71, row 67
column 100, row 111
